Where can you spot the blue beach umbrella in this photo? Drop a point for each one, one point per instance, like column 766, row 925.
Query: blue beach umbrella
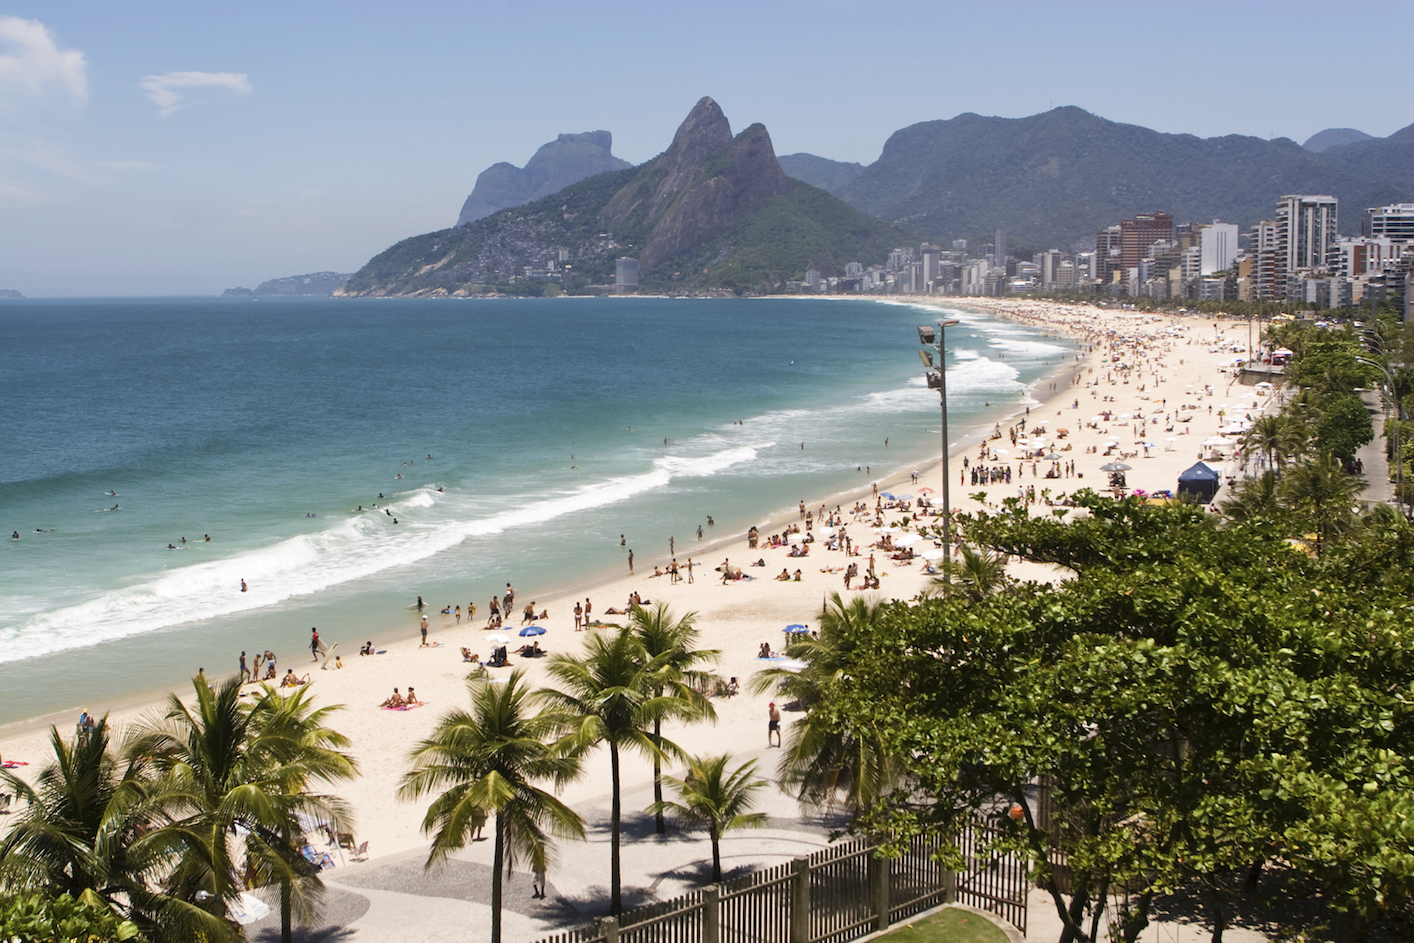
column 532, row 630
column 889, row 496
column 904, row 497
column 797, row 629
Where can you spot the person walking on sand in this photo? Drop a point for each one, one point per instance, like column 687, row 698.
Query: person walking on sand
column 314, row 642
column 537, row 879
column 245, row 672
column 510, row 599
column 689, row 569
column 578, row 616
column 773, row 723
column 424, row 632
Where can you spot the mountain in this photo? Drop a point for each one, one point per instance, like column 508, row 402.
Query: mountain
column 9, row 293
column 568, row 159
column 828, row 175
column 317, row 284
column 1334, row 137
column 1054, row 179
column 712, row 212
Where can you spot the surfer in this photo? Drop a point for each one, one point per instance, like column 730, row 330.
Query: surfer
column 420, row 604
column 111, row 494
column 15, row 535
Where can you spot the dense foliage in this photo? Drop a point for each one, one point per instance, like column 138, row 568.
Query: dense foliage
column 1197, row 701
column 39, row 918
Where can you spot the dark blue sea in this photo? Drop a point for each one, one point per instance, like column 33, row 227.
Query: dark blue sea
column 509, row 440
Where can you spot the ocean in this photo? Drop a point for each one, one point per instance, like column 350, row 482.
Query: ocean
column 500, row 441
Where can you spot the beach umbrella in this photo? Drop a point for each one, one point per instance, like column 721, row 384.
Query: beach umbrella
column 889, row 496
column 932, row 555
column 797, row 629
column 904, row 497
column 792, row 664
column 1114, row 467
column 498, row 638
column 925, row 490
column 907, row 540
column 1215, row 441
column 1053, row 457
column 532, row 630
column 1001, row 451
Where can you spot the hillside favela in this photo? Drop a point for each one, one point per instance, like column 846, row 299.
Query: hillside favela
column 465, row 484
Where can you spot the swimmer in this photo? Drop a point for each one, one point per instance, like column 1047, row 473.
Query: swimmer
column 111, row 494
column 208, row 538
column 243, row 586
column 15, row 535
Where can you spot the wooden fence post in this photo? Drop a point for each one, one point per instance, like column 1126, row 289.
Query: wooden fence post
column 800, row 902
column 879, row 885
column 711, row 896
column 609, row 928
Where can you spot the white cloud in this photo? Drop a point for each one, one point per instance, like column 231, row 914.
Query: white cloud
column 168, row 91
column 33, row 67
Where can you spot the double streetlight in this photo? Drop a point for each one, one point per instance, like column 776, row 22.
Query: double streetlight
column 932, row 338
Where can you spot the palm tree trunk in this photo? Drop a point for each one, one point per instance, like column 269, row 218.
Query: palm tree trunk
column 286, row 930
column 716, row 857
column 497, row 870
column 616, row 903
column 658, row 818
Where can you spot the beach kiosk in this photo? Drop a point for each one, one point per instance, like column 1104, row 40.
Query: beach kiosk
column 1201, row 480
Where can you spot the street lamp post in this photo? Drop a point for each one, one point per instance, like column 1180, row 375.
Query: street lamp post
column 938, row 380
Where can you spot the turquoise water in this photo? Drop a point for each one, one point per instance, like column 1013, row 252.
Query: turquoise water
column 266, row 424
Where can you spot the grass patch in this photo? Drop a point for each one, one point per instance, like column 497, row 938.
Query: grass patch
column 947, row 926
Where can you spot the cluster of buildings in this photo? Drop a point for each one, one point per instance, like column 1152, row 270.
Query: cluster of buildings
column 1297, row 256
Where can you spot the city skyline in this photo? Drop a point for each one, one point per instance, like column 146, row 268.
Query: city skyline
column 163, row 149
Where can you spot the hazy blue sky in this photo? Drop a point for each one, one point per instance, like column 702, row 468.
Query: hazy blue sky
column 181, row 148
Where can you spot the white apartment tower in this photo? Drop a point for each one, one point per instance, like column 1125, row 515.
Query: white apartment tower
column 1219, row 247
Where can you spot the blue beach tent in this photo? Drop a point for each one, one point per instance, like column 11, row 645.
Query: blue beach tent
column 1200, row 480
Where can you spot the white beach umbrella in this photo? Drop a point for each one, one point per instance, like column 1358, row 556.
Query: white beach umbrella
column 1215, row 441
column 907, row 540
column 931, row 555
column 498, row 639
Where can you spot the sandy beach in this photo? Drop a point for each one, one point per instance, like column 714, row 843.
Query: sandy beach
column 1161, row 379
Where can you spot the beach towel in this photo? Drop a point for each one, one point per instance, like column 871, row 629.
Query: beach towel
column 405, row 707
column 14, row 764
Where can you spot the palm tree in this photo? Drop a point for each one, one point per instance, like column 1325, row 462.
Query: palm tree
column 823, row 760
column 222, row 775
column 1264, row 437
column 609, row 698
column 1258, row 497
column 83, row 833
column 1324, row 494
column 711, row 798
column 977, row 575
column 1293, row 440
column 485, row 762
column 291, row 733
column 669, row 647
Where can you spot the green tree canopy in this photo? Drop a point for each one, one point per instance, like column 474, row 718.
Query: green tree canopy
column 1197, row 699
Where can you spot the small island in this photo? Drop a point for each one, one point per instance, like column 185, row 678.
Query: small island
column 9, row 293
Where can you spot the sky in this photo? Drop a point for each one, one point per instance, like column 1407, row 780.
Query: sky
column 164, row 148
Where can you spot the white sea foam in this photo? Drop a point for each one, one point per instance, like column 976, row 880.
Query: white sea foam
column 352, row 549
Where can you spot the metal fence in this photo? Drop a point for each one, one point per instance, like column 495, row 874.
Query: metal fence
column 834, row 896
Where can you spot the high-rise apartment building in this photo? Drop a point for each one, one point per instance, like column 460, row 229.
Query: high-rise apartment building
column 1219, row 247
column 1268, row 278
column 930, row 265
column 1106, row 258
column 1138, row 234
column 1395, row 221
column 1306, row 232
column 1000, row 247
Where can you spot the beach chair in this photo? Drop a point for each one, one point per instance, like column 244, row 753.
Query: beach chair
column 5, row 800
column 359, row 853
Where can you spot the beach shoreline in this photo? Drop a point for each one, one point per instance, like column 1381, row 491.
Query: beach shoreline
column 733, row 617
